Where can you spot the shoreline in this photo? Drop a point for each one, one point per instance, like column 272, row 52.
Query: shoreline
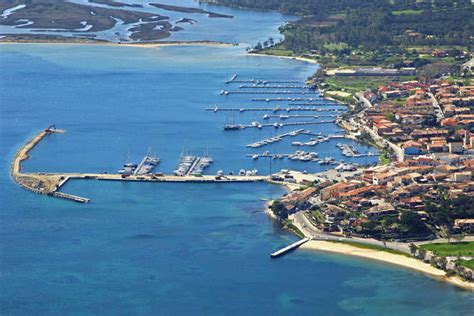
column 410, row 263
column 141, row 45
column 386, row 257
column 308, row 60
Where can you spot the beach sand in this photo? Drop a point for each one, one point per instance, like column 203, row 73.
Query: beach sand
column 399, row 260
column 308, row 60
column 141, row 45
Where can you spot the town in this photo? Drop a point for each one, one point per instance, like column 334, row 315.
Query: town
column 423, row 188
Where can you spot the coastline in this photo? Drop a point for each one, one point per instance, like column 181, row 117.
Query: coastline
column 398, row 260
column 141, row 45
column 369, row 254
column 308, row 60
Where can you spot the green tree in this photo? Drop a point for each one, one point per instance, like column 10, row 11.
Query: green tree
column 279, row 210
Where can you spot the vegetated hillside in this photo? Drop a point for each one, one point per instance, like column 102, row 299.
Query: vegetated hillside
column 371, row 24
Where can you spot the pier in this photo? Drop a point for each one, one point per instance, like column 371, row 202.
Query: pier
column 146, row 165
column 234, row 76
column 274, row 139
column 234, row 127
column 48, row 184
column 285, row 117
column 256, row 86
column 289, row 248
column 233, row 79
column 274, row 110
column 192, row 165
column 224, row 92
column 351, row 152
column 312, row 100
column 70, row 197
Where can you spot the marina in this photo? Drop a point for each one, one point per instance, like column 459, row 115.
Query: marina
column 225, row 92
column 234, row 127
column 265, row 86
column 286, row 117
column 233, row 79
column 352, row 152
column 309, row 100
column 274, row 110
column 47, row 183
column 192, row 165
column 299, row 155
column 274, row 139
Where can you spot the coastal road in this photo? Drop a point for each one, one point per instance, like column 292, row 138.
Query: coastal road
column 309, row 230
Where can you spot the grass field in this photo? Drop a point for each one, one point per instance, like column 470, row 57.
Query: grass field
column 451, row 249
column 356, row 84
column 373, row 247
column 410, row 12
column 467, row 263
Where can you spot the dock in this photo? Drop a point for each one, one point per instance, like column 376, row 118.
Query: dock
column 312, row 100
column 285, row 117
column 225, row 93
column 234, row 76
column 274, row 139
column 289, row 248
column 233, row 79
column 192, row 165
column 351, row 152
column 233, row 127
column 146, row 165
column 70, row 197
column 266, row 86
column 274, row 110
column 48, row 183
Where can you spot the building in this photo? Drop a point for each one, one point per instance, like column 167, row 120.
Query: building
column 456, row 148
column 465, row 225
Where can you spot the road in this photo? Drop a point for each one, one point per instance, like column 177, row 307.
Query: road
column 438, row 110
column 310, row 231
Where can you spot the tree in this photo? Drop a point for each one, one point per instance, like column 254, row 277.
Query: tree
column 445, row 232
column 279, row 210
column 422, row 254
column 459, row 237
column 412, row 223
column 413, row 249
column 443, row 263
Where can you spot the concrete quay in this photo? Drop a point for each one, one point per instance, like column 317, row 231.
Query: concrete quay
column 47, row 183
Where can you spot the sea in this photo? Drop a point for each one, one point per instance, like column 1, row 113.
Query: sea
column 171, row 249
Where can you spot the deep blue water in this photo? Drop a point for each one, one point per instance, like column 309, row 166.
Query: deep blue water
column 148, row 248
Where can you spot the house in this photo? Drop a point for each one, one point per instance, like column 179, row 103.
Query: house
column 333, row 191
column 365, row 191
column 380, row 210
column 383, row 178
column 456, row 148
column 412, row 148
column 462, row 176
column 465, row 225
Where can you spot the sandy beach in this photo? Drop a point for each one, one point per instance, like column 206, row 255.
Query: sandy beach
column 399, row 260
column 141, row 45
column 308, row 60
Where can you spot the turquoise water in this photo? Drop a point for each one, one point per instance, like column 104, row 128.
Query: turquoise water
column 147, row 248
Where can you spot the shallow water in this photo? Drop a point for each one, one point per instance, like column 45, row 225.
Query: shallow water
column 149, row 248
